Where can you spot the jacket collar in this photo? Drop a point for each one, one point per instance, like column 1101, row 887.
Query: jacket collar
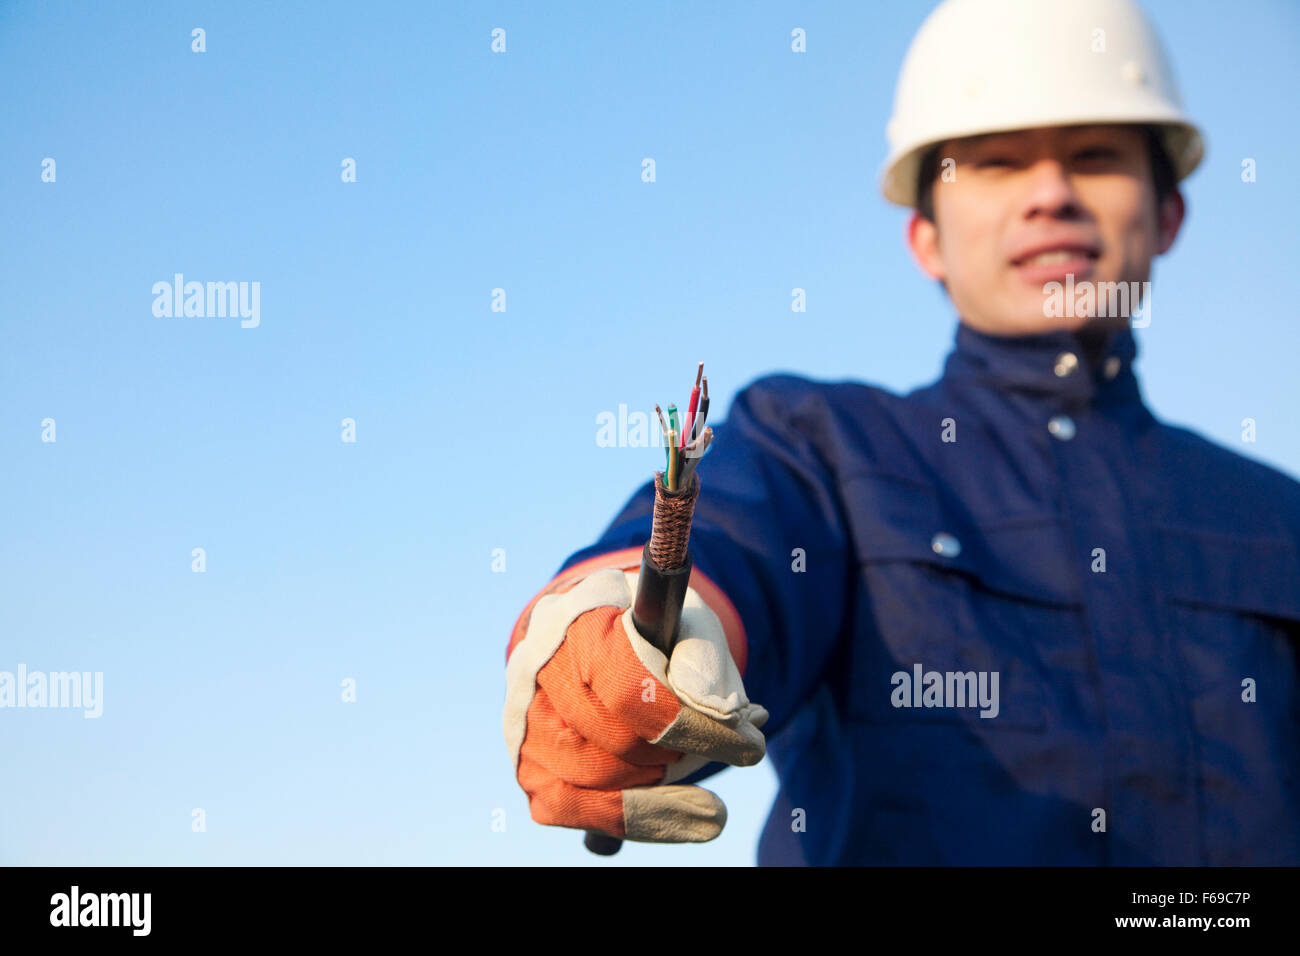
column 1051, row 365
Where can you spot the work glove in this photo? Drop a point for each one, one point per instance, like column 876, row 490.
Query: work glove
column 600, row 724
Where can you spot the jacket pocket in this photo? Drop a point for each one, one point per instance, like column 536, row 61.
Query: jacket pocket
column 1232, row 605
column 957, row 594
column 1232, row 614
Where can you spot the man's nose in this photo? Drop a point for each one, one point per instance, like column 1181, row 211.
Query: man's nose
column 1049, row 189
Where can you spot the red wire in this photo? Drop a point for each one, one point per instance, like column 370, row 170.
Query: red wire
column 690, row 415
column 695, row 402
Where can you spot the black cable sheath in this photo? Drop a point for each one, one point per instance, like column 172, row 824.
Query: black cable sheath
column 657, row 616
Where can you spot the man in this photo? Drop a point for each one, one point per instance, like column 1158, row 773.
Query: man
column 1008, row 618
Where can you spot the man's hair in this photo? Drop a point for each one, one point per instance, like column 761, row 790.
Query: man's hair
column 1162, row 173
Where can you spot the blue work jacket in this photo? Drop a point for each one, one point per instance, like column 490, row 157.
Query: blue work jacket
column 1134, row 587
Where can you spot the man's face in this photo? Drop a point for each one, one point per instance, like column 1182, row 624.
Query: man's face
column 1028, row 207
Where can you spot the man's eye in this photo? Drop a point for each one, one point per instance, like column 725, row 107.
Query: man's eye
column 1096, row 152
column 992, row 161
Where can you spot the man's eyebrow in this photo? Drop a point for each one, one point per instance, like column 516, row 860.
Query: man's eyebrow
column 1072, row 132
column 982, row 138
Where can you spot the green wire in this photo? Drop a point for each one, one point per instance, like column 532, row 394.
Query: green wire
column 672, row 423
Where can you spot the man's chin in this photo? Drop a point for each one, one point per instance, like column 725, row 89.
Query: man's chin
column 1030, row 321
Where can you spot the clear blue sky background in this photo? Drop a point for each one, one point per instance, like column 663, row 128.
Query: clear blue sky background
column 475, row 429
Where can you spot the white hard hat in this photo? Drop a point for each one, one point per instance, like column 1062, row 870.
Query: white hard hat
column 984, row 66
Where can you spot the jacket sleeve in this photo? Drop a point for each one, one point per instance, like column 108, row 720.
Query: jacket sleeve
column 768, row 541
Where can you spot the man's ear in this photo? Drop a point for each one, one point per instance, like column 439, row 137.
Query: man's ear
column 923, row 240
column 1172, row 211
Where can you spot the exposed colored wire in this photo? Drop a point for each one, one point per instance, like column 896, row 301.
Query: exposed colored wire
column 694, row 404
column 663, row 430
column 694, row 452
column 672, row 417
column 698, row 425
column 670, row 479
column 701, row 444
column 663, row 425
column 706, row 442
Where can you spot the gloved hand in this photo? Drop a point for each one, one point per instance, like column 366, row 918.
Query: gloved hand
column 599, row 723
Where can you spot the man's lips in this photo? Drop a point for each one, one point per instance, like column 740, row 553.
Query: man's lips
column 1049, row 261
column 1058, row 249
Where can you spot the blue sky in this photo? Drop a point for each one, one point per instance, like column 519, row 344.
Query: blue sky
column 475, row 429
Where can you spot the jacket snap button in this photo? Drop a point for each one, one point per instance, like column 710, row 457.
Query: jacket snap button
column 945, row 544
column 1062, row 426
column 1111, row 367
column 1066, row 363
